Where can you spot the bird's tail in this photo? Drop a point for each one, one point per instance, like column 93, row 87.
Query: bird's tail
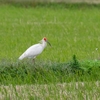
column 21, row 57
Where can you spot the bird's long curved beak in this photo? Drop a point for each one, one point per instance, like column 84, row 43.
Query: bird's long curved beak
column 49, row 43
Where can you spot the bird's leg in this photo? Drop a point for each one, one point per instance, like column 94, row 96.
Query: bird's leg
column 33, row 60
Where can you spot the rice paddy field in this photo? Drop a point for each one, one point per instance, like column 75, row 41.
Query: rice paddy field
column 69, row 70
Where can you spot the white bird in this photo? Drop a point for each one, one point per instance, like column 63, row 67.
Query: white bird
column 35, row 50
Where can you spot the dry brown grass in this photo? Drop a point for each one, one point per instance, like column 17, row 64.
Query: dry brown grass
column 66, row 1
column 65, row 91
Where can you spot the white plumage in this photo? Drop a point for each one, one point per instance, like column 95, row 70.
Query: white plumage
column 35, row 50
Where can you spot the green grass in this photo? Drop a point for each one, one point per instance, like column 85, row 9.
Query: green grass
column 71, row 31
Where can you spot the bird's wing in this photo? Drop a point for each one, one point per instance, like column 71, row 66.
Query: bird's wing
column 32, row 51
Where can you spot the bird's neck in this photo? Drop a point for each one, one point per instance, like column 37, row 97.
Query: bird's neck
column 44, row 44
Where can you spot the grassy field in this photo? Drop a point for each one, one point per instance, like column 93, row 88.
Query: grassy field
column 72, row 30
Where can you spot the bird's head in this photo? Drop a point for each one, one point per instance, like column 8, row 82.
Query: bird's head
column 45, row 39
